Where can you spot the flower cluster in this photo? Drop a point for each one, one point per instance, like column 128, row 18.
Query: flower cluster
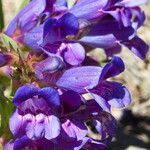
column 63, row 92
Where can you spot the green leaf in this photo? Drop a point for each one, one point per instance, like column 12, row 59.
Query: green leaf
column 1, row 17
column 6, row 109
column 70, row 3
column 9, row 42
column 23, row 4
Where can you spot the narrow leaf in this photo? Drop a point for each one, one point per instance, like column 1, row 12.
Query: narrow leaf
column 1, row 17
column 9, row 42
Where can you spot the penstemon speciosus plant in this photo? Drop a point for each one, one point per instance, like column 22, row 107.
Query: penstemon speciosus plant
column 56, row 88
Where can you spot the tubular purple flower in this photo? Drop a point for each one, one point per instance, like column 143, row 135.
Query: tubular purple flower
column 50, row 69
column 36, row 113
column 104, row 92
column 61, row 29
column 27, row 18
column 41, row 118
column 63, row 33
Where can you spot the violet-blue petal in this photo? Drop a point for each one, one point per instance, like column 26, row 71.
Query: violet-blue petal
column 89, row 10
column 39, row 126
column 110, row 26
column 138, row 47
column 79, row 79
column 68, row 24
column 108, row 125
column 98, row 127
column 50, row 69
column 123, row 15
column 111, row 93
column 22, row 143
column 92, row 107
column 120, row 96
column 91, row 144
column 74, row 54
column 2, row 60
column 57, row 30
column 51, row 96
column 102, row 102
column 101, row 41
column 113, row 68
column 29, row 128
column 61, row 2
column 84, row 141
column 132, row 3
column 16, row 124
column 50, row 30
column 139, row 18
column 52, row 127
column 23, row 93
column 27, row 18
column 75, row 129
column 110, row 52
column 33, row 37
column 71, row 101
column 108, row 34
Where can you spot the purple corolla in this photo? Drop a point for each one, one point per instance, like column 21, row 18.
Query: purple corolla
column 43, row 118
column 90, row 79
column 56, row 28
column 36, row 113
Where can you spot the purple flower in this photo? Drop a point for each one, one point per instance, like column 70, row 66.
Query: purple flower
column 5, row 59
column 42, row 114
column 110, row 36
column 57, row 29
column 36, row 113
column 54, row 39
column 95, row 10
column 26, row 19
column 70, row 136
column 50, row 69
column 102, row 122
column 43, row 118
column 106, row 93
column 113, row 29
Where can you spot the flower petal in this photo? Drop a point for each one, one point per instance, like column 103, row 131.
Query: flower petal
column 68, row 24
column 51, row 96
column 52, row 127
column 24, row 93
column 102, row 102
column 22, row 143
column 132, row 3
column 121, row 96
column 75, row 129
column 27, row 18
column 16, row 124
column 50, row 69
column 138, row 47
column 33, row 37
column 74, row 54
column 80, row 78
column 30, row 119
column 71, row 101
column 113, row 68
column 89, row 10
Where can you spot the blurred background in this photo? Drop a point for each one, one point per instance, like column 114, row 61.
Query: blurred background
column 134, row 122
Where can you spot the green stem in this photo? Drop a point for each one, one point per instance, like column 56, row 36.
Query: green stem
column 1, row 17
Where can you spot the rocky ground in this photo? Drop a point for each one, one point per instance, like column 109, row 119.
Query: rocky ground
column 134, row 126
